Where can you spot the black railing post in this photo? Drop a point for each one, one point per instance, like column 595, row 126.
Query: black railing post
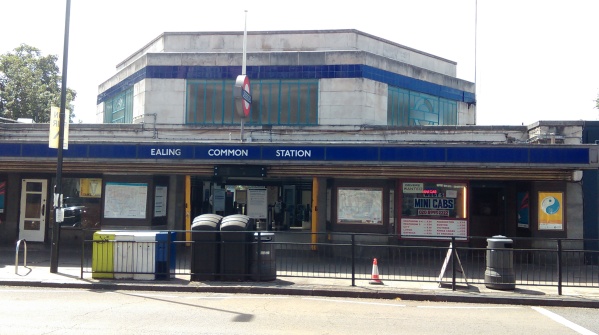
column 559, row 267
column 353, row 259
column 258, row 258
column 168, row 255
column 82, row 252
column 453, row 263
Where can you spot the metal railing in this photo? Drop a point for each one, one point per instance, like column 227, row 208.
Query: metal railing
column 217, row 256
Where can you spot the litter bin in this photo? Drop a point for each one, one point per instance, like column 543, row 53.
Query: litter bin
column 263, row 264
column 103, row 255
column 205, row 247
column 235, row 248
column 499, row 273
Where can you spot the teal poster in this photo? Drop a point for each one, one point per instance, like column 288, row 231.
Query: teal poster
column 523, row 210
column 2, row 195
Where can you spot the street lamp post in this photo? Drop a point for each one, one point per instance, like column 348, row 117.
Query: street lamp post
column 58, row 190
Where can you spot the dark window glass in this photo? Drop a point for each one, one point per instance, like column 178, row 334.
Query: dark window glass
column 274, row 102
column 409, row 108
column 119, row 109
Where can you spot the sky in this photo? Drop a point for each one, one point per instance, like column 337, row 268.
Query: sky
column 531, row 60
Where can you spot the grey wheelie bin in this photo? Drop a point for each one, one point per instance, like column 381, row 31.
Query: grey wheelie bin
column 499, row 273
column 205, row 254
column 263, row 261
column 236, row 236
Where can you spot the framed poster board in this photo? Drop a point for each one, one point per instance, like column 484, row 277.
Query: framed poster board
column 359, row 205
column 551, row 210
column 257, row 206
column 125, row 200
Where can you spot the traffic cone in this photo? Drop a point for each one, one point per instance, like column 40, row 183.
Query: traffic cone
column 375, row 274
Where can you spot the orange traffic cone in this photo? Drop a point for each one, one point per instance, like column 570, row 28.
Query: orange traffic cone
column 375, row 274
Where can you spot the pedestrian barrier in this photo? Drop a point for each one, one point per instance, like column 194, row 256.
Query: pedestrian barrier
column 530, row 261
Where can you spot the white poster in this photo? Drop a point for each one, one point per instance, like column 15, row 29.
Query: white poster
column 257, row 206
column 434, row 229
column 125, row 200
column 219, row 200
column 160, row 201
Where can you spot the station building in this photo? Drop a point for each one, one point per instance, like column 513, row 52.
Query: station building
column 352, row 132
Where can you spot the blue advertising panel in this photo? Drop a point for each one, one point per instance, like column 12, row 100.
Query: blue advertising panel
column 352, row 154
column 112, row 151
column 405, row 154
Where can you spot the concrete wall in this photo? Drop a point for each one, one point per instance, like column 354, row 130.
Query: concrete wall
column 575, row 213
column 311, row 40
column 352, row 101
column 162, row 98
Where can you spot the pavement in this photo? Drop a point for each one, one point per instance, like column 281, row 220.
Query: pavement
column 34, row 271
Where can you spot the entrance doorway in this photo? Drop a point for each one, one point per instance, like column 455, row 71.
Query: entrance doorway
column 32, row 221
column 487, row 213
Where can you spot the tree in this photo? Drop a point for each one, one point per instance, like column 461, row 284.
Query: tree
column 30, row 85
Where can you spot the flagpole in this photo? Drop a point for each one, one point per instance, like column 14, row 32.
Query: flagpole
column 243, row 62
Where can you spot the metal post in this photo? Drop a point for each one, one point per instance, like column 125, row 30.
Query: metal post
column 63, row 100
column 559, row 267
column 353, row 259
column 259, row 257
column 168, row 255
column 82, row 252
column 453, row 263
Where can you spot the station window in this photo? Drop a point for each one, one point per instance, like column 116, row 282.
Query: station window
column 81, row 202
column 119, row 109
column 409, row 108
column 274, row 102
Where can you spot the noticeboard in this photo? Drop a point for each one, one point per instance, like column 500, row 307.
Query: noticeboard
column 125, row 200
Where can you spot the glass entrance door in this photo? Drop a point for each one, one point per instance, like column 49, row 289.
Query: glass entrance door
column 32, row 221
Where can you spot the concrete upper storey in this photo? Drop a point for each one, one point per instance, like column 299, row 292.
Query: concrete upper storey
column 354, row 71
column 289, row 48
column 292, row 41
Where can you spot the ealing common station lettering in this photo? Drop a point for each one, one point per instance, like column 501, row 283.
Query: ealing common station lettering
column 435, row 203
column 228, row 152
column 165, row 152
column 294, row 153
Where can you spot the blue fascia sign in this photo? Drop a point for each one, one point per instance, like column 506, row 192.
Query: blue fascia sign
column 576, row 156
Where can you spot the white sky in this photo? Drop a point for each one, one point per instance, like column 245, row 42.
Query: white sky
column 535, row 60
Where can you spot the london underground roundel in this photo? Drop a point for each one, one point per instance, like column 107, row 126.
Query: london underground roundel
column 243, row 97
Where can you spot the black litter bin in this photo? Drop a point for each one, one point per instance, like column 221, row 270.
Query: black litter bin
column 205, row 248
column 499, row 273
column 236, row 240
column 263, row 262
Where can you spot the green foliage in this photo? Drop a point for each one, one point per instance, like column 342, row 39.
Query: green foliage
column 30, row 84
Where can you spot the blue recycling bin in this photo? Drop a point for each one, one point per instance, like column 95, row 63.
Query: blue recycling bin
column 166, row 255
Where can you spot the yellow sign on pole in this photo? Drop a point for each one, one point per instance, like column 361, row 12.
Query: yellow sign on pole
column 54, row 128
column 90, row 187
